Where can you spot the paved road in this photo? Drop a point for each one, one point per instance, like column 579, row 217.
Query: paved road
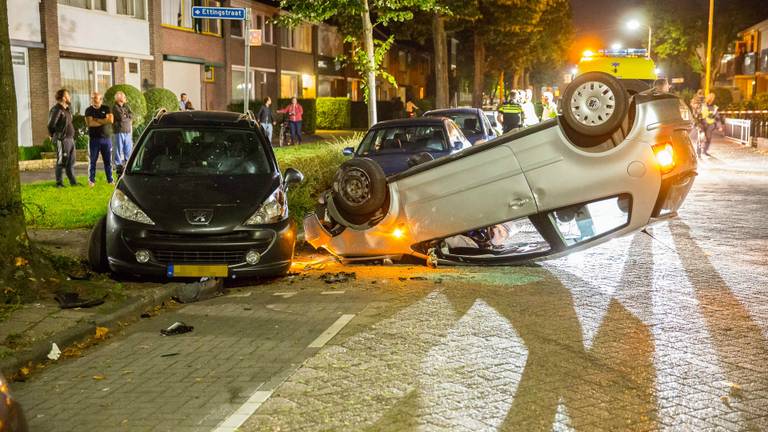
column 641, row 333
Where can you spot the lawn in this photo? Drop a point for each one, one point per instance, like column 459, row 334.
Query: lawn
column 81, row 206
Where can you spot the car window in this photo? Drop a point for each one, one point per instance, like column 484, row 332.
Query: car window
column 455, row 135
column 201, row 152
column 469, row 123
column 403, row 140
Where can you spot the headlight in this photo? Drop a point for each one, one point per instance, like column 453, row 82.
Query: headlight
column 273, row 210
column 122, row 206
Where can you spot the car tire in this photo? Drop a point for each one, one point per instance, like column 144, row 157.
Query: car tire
column 595, row 104
column 359, row 188
column 97, row 247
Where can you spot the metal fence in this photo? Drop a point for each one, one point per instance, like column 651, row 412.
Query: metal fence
column 746, row 126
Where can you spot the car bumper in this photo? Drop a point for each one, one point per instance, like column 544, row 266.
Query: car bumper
column 275, row 244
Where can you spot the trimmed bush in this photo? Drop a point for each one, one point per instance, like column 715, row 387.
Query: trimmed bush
column 160, row 98
column 333, row 113
column 47, row 146
column 723, row 96
column 253, row 105
column 309, row 119
column 30, row 153
column 81, row 142
column 135, row 100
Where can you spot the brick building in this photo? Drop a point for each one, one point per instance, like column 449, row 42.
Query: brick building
column 746, row 68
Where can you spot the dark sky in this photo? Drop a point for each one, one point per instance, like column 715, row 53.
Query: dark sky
column 599, row 23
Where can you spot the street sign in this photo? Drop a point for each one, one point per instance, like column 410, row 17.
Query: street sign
column 254, row 37
column 218, row 13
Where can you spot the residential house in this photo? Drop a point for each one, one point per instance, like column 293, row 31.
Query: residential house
column 746, row 68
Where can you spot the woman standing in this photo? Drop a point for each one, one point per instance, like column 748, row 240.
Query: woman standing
column 294, row 112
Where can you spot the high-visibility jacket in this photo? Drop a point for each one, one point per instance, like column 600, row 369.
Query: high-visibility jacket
column 512, row 114
column 709, row 114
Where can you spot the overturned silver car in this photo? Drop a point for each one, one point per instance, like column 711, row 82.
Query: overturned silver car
column 609, row 165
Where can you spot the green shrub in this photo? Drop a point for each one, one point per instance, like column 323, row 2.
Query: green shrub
column 160, row 98
column 135, row 100
column 30, row 153
column 78, row 122
column 81, row 142
column 723, row 96
column 253, row 105
column 47, row 146
column 309, row 119
column 761, row 101
column 333, row 113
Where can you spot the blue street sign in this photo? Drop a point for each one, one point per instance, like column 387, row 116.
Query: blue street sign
column 218, row 13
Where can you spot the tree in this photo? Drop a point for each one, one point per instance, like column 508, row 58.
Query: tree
column 357, row 19
column 680, row 29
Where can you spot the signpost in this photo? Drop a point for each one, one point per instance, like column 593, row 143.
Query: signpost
column 236, row 14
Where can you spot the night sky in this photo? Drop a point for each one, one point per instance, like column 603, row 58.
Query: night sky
column 599, row 23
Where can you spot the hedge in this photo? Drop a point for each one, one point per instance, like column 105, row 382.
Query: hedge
column 135, row 100
column 333, row 113
column 723, row 96
column 30, row 153
column 254, row 106
column 160, row 98
column 309, row 118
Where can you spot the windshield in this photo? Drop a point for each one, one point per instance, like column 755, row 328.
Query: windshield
column 201, row 152
column 468, row 123
column 409, row 139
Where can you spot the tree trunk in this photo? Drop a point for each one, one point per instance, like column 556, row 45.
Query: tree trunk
column 370, row 85
column 441, row 61
column 15, row 258
column 479, row 78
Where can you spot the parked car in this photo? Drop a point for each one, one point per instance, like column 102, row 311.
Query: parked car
column 398, row 144
column 11, row 416
column 202, row 195
column 472, row 122
column 609, row 165
column 493, row 119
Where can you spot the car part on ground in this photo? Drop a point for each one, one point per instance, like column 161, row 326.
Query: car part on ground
column 543, row 191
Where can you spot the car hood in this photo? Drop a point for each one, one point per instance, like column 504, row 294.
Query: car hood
column 233, row 199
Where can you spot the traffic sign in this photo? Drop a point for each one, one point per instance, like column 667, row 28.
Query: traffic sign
column 254, row 37
column 218, row 13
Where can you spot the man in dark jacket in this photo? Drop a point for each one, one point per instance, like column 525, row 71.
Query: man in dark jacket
column 123, row 128
column 62, row 134
column 265, row 118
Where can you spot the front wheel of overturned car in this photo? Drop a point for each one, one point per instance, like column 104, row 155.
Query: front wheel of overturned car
column 97, row 247
column 595, row 104
column 359, row 188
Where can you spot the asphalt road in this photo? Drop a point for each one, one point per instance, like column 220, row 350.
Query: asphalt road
column 666, row 330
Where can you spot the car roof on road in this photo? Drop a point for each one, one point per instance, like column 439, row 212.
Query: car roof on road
column 202, row 118
column 416, row 121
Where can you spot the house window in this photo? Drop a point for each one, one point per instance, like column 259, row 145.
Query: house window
column 263, row 23
column 178, row 14
column 82, row 77
column 131, row 8
column 330, row 41
column 236, row 28
column 298, row 38
column 86, row 4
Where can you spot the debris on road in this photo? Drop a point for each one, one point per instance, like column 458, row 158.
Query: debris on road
column 99, row 377
column 55, row 352
column 176, row 328
column 101, row 333
column 71, row 300
column 196, row 291
column 340, row 277
column 169, row 354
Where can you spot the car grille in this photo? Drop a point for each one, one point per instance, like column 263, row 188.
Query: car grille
column 203, row 257
column 156, row 235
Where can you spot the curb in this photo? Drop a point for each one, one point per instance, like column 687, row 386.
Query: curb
column 131, row 308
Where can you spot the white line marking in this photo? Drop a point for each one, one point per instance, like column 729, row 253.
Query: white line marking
column 332, row 292
column 242, row 294
column 331, row 331
column 285, row 294
column 236, row 419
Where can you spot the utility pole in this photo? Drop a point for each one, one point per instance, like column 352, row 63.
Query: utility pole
column 709, row 47
column 247, row 75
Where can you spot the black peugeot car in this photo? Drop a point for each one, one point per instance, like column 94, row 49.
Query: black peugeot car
column 202, row 195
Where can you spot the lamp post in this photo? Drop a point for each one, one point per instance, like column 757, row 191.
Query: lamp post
column 634, row 25
column 709, row 47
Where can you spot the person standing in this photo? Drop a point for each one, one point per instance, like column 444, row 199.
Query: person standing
column 710, row 117
column 529, row 111
column 265, row 118
column 410, row 108
column 294, row 112
column 123, row 128
column 183, row 99
column 511, row 113
column 99, row 119
column 62, row 133
column 550, row 109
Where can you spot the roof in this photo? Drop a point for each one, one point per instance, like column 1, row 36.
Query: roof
column 206, row 118
column 415, row 121
column 448, row 111
column 761, row 26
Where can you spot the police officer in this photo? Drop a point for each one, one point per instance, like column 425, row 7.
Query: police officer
column 512, row 113
column 708, row 120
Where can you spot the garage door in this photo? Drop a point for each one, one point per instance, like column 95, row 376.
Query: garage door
column 183, row 78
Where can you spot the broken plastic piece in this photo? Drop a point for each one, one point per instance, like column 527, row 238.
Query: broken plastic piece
column 176, row 328
column 339, row 277
column 55, row 352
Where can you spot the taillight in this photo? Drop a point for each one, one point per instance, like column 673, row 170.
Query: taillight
column 665, row 156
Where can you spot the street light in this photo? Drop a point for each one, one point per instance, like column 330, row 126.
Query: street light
column 634, row 25
column 616, row 46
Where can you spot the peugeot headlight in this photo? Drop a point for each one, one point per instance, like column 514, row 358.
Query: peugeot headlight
column 273, row 210
column 122, row 206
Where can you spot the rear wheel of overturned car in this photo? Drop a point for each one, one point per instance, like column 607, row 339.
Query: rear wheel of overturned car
column 97, row 247
column 359, row 188
column 595, row 104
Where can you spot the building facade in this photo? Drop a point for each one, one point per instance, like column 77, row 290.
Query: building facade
column 746, row 68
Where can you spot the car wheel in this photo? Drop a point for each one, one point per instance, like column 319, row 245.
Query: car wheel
column 359, row 188
column 595, row 104
column 97, row 247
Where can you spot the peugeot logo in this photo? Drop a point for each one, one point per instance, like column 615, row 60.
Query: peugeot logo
column 199, row 216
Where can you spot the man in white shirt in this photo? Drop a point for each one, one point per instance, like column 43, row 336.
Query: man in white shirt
column 529, row 110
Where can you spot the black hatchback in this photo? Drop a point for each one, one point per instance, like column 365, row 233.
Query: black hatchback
column 202, row 195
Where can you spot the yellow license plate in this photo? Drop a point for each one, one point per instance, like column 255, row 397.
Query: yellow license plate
column 188, row 270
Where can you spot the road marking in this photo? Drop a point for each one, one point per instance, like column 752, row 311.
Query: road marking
column 331, row 331
column 236, row 419
column 285, row 294
column 332, row 292
column 242, row 294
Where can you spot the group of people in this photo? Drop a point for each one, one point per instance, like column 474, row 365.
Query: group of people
column 518, row 109
column 294, row 113
column 105, row 125
column 707, row 116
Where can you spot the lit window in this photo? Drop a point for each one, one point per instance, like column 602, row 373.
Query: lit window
column 132, row 8
column 86, row 4
column 298, row 38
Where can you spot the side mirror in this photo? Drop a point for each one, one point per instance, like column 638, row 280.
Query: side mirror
column 457, row 145
column 348, row 151
column 292, row 177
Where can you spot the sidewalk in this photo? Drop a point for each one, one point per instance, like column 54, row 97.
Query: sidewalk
column 728, row 155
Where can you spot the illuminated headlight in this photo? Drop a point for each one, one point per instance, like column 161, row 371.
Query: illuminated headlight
column 122, row 206
column 143, row 256
column 273, row 210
